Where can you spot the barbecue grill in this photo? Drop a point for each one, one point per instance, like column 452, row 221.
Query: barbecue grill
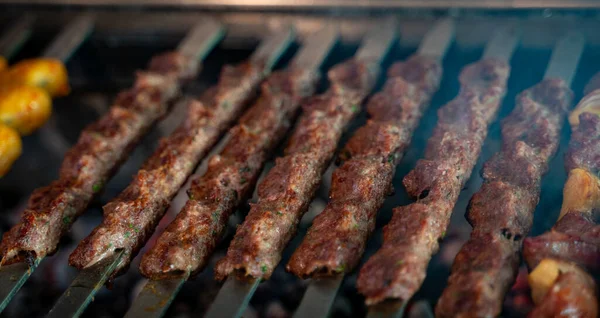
column 119, row 37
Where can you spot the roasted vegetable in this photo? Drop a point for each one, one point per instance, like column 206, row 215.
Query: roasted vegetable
column 24, row 108
column 48, row 74
column 10, row 148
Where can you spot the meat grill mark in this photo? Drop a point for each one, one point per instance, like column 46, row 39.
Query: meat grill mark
column 398, row 269
column 501, row 212
column 287, row 190
column 575, row 238
column 131, row 218
column 102, row 147
column 189, row 240
column 337, row 238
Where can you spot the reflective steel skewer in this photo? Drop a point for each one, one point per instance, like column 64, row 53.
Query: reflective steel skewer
column 156, row 296
column 62, row 48
column 320, row 294
column 12, row 277
column 501, row 46
column 565, row 57
column 199, row 41
column 74, row 301
column 235, row 295
column 14, row 38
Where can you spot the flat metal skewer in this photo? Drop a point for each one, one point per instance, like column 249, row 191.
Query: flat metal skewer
column 12, row 277
column 565, row 57
column 62, row 48
column 321, row 293
column 70, row 38
column 81, row 292
column 156, row 296
column 501, row 46
column 14, row 38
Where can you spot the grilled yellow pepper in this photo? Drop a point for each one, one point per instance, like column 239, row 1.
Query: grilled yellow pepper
column 24, row 108
column 48, row 74
column 2, row 63
column 10, row 148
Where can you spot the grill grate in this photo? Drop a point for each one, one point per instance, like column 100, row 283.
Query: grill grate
column 106, row 63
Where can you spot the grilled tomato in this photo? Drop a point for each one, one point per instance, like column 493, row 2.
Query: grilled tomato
column 10, row 148
column 48, row 74
column 24, row 108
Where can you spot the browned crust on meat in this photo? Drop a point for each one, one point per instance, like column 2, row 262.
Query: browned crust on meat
column 88, row 165
column 501, row 212
column 288, row 189
column 131, row 218
column 398, row 269
column 189, row 240
column 336, row 241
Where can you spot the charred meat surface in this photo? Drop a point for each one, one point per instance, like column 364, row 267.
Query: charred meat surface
column 501, row 212
column 189, row 240
column 102, row 147
column 131, row 218
column 336, row 240
column 398, row 269
column 289, row 187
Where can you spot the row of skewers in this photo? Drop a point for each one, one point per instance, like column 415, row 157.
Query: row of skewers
column 501, row 212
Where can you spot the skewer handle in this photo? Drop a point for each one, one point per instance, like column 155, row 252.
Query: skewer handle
column 315, row 49
column 503, row 43
column 15, row 37
column 70, row 38
column 271, row 49
column 565, row 57
column 391, row 309
column 438, row 39
column 81, row 292
column 319, row 297
column 233, row 298
column 12, row 278
column 378, row 42
column 155, row 298
column 201, row 39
